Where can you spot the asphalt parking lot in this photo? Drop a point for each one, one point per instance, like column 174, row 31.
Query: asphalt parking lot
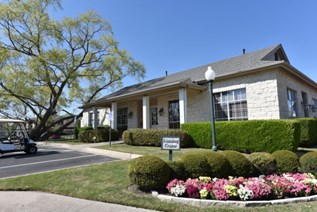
column 47, row 158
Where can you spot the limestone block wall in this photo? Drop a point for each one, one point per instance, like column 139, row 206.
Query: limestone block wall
column 261, row 91
column 103, row 117
column 286, row 80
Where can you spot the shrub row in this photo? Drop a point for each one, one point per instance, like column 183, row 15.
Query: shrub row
column 308, row 131
column 150, row 172
column 152, row 137
column 247, row 136
column 89, row 135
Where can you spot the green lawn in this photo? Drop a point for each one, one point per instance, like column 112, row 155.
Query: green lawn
column 108, row 182
column 149, row 150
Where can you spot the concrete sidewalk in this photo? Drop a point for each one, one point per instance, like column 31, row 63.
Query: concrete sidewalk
column 28, row 201
column 90, row 149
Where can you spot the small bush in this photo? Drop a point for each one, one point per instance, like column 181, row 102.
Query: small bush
column 308, row 163
column 308, row 131
column 264, row 162
column 152, row 137
column 195, row 165
column 240, row 165
column 177, row 170
column 247, row 136
column 220, row 166
column 149, row 172
column 85, row 128
column 286, row 161
column 96, row 136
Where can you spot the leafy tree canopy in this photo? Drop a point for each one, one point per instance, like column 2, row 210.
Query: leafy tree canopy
column 49, row 64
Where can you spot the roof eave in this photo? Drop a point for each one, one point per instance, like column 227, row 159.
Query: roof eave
column 177, row 84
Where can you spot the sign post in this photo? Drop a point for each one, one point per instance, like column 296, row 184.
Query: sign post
column 170, row 143
column 110, row 120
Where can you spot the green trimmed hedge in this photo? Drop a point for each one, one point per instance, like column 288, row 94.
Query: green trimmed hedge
column 308, row 131
column 152, row 137
column 247, row 136
column 99, row 135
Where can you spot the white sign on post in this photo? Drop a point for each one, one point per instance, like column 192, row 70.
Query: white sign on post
column 170, row 143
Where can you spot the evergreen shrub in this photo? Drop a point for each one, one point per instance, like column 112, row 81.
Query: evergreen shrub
column 195, row 165
column 240, row 165
column 149, row 172
column 264, row 163
column 152, row 137
column 308, row 163
column 308, row 131
column 219, row 165
column 99, row 135
column 247, row 136
column 286, row 161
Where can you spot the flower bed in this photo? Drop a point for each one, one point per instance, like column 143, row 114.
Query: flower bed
column 261, row 188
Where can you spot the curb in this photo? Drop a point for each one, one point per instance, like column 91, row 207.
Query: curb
column 89, row 148
column 232, row 203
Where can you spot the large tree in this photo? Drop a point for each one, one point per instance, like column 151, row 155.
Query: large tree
column 47, row 64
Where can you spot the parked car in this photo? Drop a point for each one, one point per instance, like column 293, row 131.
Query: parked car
column 14, row 137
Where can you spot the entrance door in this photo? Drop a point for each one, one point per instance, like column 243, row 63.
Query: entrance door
column 305, row 104
column 173, row 114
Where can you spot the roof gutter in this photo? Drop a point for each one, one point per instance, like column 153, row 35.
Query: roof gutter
column 282, row 64
column 180, row 84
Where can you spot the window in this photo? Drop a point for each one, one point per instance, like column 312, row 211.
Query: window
column 154, row 120
column 122, row 118
column 173, row 114
column 291, row 103
column 315, row 105
column 91, row 118
column 231, row 105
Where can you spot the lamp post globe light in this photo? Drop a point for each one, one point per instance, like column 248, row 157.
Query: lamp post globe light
column 210, row 76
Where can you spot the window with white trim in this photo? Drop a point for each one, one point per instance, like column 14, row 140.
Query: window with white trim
column 231, row 105
column 122, row 118
column 91, row 118
column 291, row 103
column 154, row 120
column 315, row 105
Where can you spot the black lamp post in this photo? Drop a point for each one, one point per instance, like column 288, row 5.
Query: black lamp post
column 210, row 76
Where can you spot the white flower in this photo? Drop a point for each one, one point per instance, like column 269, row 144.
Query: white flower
column 178, row 190
column 244, row 193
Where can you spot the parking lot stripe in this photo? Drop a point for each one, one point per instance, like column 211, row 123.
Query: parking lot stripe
column 49, row 161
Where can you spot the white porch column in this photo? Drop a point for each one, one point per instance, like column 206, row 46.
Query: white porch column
column 95, row 118
column 182, row 93
column 113, row 121
column 146, row 112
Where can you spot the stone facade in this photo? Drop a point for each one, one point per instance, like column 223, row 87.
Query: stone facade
column 261, row 92
column 266, row 95
column 103, row 117
column 287, row 81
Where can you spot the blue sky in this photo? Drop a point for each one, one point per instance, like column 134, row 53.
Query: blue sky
column 175, row 35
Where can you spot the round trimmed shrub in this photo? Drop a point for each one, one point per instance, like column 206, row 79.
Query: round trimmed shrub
column 240, row 165
column 263, row 162
column 195, row 165
column 220, row 166
column 286, row 161
column 177, row 170
column 308, row 163
column 149, row 172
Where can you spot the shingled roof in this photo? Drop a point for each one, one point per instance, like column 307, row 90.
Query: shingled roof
column 246, row 62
